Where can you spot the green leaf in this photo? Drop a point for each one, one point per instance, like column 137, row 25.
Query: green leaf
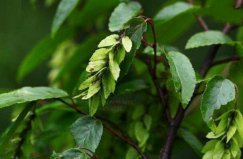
column 191, row 140
column 173, row 10
column 94, row 104
column 209, row 146
column 127, row 43
column 65, row 7
column 183, row 75
column 28, row 94
column 108, row 83
column 73, row 153
column 114, row 66
column 141, row 133
column 147, row 121
column 87, row 132
column 122, row 14
column 84, row 85
column 109, row 41
column 219, row 91
column 131, row 154
column 41, row 52
column 208, row 38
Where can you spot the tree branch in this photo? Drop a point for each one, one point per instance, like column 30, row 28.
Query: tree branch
column 109, row 126
column 227, row 60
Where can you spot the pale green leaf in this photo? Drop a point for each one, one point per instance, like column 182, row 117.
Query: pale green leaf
column 108, row 83
column 173, row 10
column 208, row 38
column 84, row 85
column 120, row 55
column 219, row 91
column 218, row 150
column 231, row 132
column 65, row 7
column 183, row 75
column 87, row 132
column 114, row 66
column 28, row 94
column 127, row 43
column 209, row 146
column 239, row 122
column 109, row 41
column 122, row 14
column 95, row 66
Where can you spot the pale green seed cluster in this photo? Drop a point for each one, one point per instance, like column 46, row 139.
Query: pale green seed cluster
column 103, row 67
column 226, row 137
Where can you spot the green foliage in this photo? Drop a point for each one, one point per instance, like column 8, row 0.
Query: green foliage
column 28, row 94
column 219, row 92
column 122, row 14
column 183, row 76
column 136, row 79
column 65, row 7
column 87, row 132
column 207, row 38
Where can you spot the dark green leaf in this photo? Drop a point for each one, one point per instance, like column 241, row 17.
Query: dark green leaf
column 173, row 10
column 208, row 38
column 183, row 75
column 94, row 104
column 41, row 52
column 27, row 94
column 192, row 140
column 219, row 91
column 87, row 132
column 122, row 14
column 65, row 7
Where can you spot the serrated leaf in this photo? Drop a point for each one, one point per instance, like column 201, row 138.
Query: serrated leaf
column 93, row 89
column 122, row 14
column 94, row 104
column 65, row 7
column 108, row 83
column 28, row 94
column 114, row 66
column 219, row 91
column 191, row 140
column 183, row 75
column 87, row 132
column 109, row 41
column 173, row 10
column 100, row 54
column 141, row 133
column 127, row 43
column 208, row 38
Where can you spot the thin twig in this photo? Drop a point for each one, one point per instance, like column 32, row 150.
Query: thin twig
column 227, row 60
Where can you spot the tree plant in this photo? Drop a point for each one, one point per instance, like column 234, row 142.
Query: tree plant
column 137, row 95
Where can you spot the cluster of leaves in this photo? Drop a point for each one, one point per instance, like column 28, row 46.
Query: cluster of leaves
column 132, row 101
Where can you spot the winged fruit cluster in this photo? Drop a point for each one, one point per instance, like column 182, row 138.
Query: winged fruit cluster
column 103, row 69
column 226, row 137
